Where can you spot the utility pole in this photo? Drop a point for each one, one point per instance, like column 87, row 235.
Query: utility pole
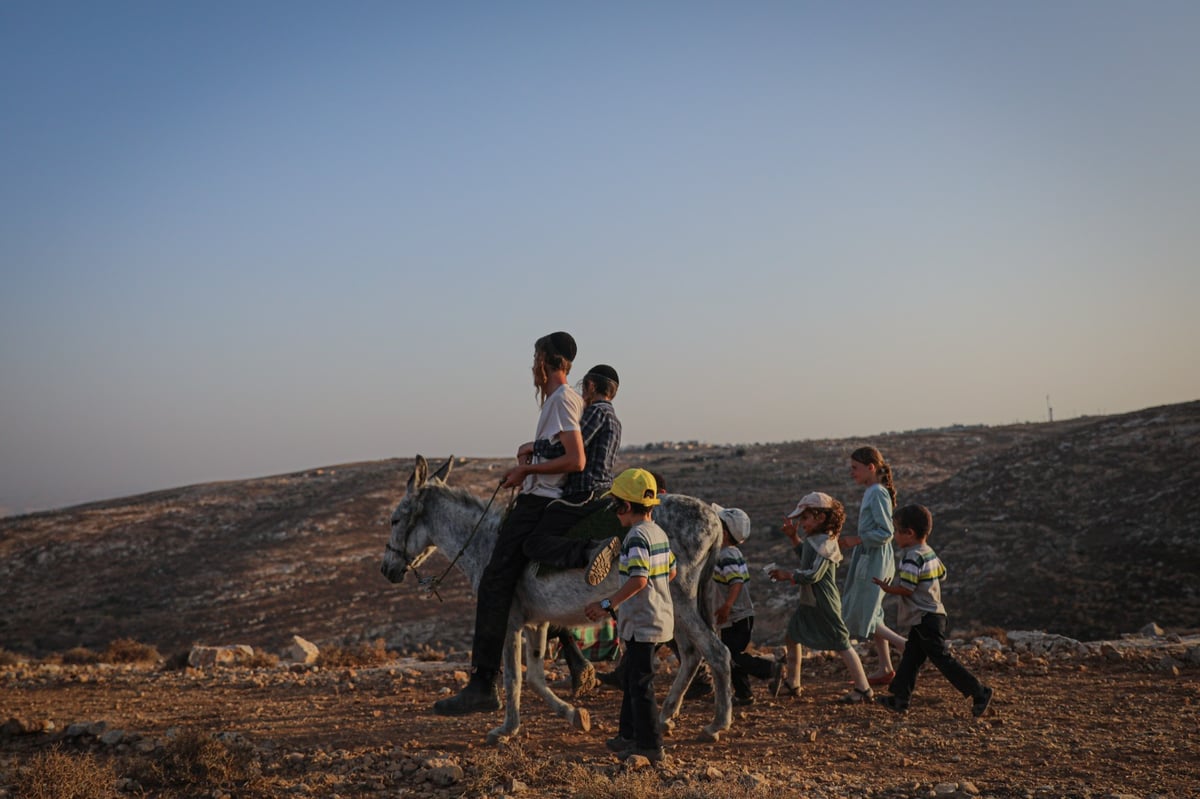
column 1049, row 410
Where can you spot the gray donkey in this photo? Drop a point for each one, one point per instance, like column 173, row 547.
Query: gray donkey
column 434, row 516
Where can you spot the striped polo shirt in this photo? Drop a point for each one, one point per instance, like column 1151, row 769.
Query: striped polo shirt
column 648, row 615
column 921, row 571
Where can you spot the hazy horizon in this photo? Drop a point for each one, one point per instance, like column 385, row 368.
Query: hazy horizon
column 247, row 239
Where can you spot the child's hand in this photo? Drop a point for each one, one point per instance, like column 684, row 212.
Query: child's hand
column 884, row 584
column 722, row 615
column 780, row 576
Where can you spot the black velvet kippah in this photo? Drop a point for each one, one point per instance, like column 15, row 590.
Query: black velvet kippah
column 563, row 344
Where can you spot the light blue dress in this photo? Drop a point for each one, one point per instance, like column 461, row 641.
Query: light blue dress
column 862, row 601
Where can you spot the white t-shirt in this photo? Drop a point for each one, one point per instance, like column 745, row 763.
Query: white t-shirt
column 560, row 413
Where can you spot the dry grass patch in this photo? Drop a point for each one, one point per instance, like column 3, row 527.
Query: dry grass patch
column 195, row 759
column 54, row 774
column 361, row 655
column 127, row 650
column 77, row 656
column 9, row 658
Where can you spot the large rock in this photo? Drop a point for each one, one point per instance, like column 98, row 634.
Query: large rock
column 301, row 651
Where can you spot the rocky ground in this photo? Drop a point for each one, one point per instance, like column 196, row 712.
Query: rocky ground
column 1083, row 527
column 1115, row 719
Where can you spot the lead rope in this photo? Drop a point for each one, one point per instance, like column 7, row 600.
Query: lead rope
column 430, row 584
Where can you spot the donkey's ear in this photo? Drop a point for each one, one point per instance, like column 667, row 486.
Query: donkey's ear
column 444, row 472
column 419, row 475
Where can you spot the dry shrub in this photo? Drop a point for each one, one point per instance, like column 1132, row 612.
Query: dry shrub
column 497, row 767
column 54, row 774
column 261, row 660
column 357, row 656
column 194, row 759
column 9, row 658
column 493, row 770
column 127, row 650
column 80, row 656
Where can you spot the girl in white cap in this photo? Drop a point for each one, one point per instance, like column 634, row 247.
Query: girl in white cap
column 817, row 621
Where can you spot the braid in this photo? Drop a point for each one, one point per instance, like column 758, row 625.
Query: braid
column 885, row 477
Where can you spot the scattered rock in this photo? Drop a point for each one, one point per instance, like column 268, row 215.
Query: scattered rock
column 302, row 651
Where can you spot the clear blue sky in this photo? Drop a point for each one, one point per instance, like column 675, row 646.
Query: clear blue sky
column 245, row 238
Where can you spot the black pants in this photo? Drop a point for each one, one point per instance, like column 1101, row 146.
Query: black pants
column 639, row 709
column 499, row 584
column 547, row 544
column 927, row 640
column 736, row 638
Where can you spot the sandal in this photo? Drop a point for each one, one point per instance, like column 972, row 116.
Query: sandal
column 776, row 684
column 857, row 696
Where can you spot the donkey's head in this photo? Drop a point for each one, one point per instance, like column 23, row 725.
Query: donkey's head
column 410, row 544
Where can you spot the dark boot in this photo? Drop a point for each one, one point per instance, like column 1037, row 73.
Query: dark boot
column 478, row 696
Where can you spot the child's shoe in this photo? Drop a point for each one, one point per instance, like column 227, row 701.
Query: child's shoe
column 857, row 696
column 892, row 703
column 742, row 701
column 882, row 679
column 980, row 705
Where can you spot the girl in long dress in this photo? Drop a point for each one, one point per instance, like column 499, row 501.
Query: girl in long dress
column 871, row 557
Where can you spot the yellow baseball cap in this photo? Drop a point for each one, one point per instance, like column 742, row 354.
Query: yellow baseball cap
column 635, row 485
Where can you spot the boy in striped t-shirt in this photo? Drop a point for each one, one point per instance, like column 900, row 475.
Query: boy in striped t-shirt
column 646, row 614
column 733, row 611
column 918, row 583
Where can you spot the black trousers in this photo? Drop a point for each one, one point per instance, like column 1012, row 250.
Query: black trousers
column 927, row 641
column 736, row 638
column 499, row 584
column 547, row 543
column 639, row 709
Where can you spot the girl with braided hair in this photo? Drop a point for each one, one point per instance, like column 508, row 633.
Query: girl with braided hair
column 871, row 557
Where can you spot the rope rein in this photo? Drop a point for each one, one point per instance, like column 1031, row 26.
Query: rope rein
column 430, row 584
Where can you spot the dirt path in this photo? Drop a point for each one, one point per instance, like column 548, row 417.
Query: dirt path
column 1069, row 728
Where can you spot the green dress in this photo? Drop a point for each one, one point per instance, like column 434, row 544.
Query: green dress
column 817, row 622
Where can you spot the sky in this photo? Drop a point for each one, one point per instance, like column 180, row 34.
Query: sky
column 247, row 238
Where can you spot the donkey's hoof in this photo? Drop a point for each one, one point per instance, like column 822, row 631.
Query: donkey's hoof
column 582, row 720
column 710, row 736
column 499, row 736
column 666, row 727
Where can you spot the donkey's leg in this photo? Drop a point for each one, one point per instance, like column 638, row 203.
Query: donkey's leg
column 535, row 671
column 512, row 682
column 696, row 640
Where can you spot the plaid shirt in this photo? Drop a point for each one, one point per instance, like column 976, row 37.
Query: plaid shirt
column 601, row 430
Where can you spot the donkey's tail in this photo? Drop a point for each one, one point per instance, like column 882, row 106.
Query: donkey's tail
column 704, row 593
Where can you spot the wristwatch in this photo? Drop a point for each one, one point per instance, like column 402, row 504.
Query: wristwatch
column 606, row 604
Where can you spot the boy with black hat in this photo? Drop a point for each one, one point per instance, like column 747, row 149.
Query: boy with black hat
column 540, row 479
column 601, row 430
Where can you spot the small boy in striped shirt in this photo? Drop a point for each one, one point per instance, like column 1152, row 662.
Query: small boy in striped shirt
column 646, row 615
column 918, row 583
column 733, row 611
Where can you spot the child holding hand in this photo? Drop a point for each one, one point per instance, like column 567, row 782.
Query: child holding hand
column 817, row 622
column 918, row 584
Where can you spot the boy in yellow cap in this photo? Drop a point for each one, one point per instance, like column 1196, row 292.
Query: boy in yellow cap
column 646, row 615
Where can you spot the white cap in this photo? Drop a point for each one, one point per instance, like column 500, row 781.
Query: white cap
column 736, row 521
column 814, row 500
